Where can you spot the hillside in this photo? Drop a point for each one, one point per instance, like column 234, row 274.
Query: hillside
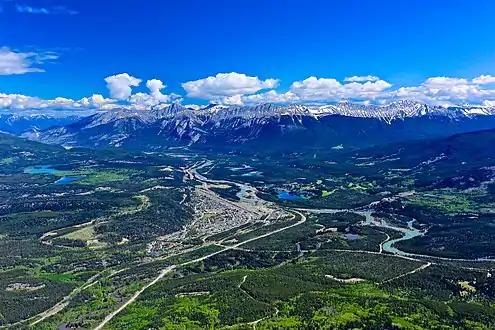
column 277, row 128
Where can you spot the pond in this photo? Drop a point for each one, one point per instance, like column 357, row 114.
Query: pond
column 351, row 236
column 68, row 179
column 47, row 169
column 289, row 196
column 41, row 169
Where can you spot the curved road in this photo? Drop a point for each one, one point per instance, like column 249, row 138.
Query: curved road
column 170, row 268
column 192, row 173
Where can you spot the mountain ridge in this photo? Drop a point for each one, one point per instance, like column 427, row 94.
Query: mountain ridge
column 17, row 123
column 324, row 126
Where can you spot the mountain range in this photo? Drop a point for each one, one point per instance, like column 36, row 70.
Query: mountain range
column 264, row 126
column 17, row 124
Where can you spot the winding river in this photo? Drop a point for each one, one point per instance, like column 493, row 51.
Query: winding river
column 409, row 232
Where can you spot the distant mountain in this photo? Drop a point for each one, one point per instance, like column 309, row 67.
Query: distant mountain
column 463, row 150
column 17, row 124
column 269, row 126
column 462, row 161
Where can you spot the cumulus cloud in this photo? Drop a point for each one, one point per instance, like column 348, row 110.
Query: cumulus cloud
column 143, row 99
column 12, row 62
column 271, row 97
column 311, row 90
column 240, row 89
column 329, row 89
column 445, row 82
column 121, row 98
column 449, row 91
column 361, row 78
column 96, row 101
column 18, row 101
column 120, row 85
column 231, row 100
column 22, row 102
column 155, row 97
column 483, row 79
column 227, row 85
column 442, row 91
column 267, row 97
column 155, row 86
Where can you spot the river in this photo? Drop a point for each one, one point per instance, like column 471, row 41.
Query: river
column 388, row 246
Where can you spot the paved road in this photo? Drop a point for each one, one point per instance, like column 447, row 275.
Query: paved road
column 134, row 297
column 167, row 270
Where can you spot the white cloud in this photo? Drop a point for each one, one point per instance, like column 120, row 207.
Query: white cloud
column 96, row 101
column 312, row 90
column 120, row 85
column 447, row 90
column 155, row 97
column 155, row 86
column 267, row 97
column 442, row 91
column 331, row 90
column 445, row 82
column 483, row 79
column 12, row 62
column 23, row 102
column 231, row 100
column 120, row 89
column 143, row 99
column 271, row 97
column 227, row 85
column 361, row 78
column 239, row 89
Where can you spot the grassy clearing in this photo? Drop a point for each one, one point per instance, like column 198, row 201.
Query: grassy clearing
column 452, row 201
column 64, row 278
column 84, row 234
column 99, row 177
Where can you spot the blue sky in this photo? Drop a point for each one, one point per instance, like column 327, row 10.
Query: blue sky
column 284, row 51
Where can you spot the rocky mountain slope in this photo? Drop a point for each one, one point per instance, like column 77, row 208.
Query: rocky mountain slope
column 17, row 124
column 279, row 127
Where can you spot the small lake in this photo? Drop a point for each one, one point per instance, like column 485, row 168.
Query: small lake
column 68, row 179
column 252, row 173
column 351, row 237
column 42, row 169
column 47, row 169
column 289, row 196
